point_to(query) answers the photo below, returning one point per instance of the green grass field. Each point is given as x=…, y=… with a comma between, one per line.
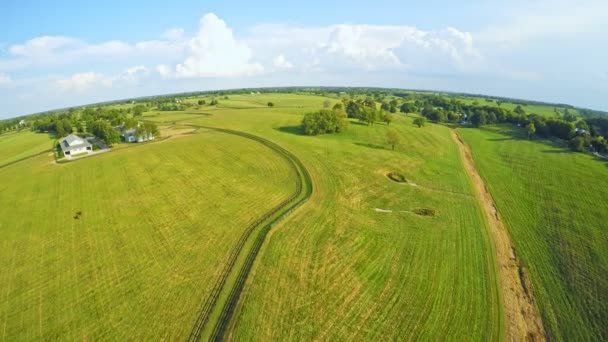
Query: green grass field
x=355, y=262
x=338, y=264
x=157, y=222
x=16, y=146
x=553, y=203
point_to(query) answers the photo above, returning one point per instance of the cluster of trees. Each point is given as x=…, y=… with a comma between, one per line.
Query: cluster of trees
x=325, y=121
x=103, y=130
x=13, y=125
x=579, y=132
x=365, y=111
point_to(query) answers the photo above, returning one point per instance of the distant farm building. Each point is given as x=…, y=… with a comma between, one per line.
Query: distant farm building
x=131, y=135
x=73, y=144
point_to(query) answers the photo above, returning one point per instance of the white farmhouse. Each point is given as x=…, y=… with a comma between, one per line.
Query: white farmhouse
x=72, y=145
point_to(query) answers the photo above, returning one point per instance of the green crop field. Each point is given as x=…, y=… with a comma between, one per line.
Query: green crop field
x=16, y=146
x=156, y=223
x=139, y=243
x=554, y=204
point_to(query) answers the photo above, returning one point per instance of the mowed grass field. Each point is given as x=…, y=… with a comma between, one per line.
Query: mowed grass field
x=156, y=224
x=343, y=267
x=15, y=146
x=554, y=204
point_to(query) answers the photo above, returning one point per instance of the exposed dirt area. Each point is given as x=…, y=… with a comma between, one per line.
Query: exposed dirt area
x=425, y=211
x=396, y=177
x=523, y=321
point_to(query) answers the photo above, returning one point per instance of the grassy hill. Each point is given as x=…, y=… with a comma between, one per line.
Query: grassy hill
x=553, y=202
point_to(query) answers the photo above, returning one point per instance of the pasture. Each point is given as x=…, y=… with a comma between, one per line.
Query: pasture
x=126, y=245
x=16, y=146
x=365, y=258
x=356, y=261
x=553, y=203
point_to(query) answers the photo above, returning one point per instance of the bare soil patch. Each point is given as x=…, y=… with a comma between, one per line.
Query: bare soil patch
x=396, y=177
x=523, y=321
x=425, y=211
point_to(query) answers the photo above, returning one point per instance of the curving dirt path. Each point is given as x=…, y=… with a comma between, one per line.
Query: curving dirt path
x=522, y=319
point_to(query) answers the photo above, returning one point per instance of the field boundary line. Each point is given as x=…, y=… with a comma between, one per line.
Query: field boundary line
x=25, y=158
x=523, y=320
x=204, y=323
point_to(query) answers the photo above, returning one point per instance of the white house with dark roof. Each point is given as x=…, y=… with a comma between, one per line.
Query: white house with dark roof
x=73, y=144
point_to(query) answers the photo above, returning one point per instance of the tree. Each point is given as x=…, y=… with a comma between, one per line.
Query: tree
x=578, y=143
x=393, y=138
x=407, y=107
x=270, y=104
x=387, y=118
x=213, y=102
x=138, y=110
x=326, y=104
x=519, y=110
x=324, y=121
x=599, y=144
x=530, y=129
x=479, y=118
x=201, y=102
x=419, y=122
x=353, y=110
x=103, y=130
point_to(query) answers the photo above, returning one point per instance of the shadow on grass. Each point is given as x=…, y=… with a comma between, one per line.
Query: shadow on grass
x=376, y=147
x=500, y=139
x=296, y=130
x=563, y=151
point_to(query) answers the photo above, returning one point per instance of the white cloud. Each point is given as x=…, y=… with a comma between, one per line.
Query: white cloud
x=214, y=52
x=173, y=34
x=139, y=69
x=5, y=79
x=42, y=46
x=369, y=47
x=281, y=63
x=164, y=71
x=84, y=81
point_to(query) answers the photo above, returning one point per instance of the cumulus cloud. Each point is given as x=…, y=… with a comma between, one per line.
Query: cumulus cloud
x=84, y=81
x=214, y=52
x=42, y=46
x=281, y=63
x=370, y=47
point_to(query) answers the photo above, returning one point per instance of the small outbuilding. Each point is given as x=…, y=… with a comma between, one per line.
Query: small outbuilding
x=73, y=144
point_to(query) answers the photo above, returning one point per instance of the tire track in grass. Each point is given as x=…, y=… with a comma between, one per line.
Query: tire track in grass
x=523, y=321
x=205, y=323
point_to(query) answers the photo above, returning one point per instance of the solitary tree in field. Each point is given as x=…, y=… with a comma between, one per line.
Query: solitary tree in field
x=419, y=122
x=531, y=129
x=393, y=138
x=270, y=104
x=326, y=104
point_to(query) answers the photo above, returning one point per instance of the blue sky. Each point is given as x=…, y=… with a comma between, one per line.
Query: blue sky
x=64, y=53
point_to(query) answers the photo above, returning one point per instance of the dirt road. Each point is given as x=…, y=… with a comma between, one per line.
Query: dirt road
x=522, y=319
